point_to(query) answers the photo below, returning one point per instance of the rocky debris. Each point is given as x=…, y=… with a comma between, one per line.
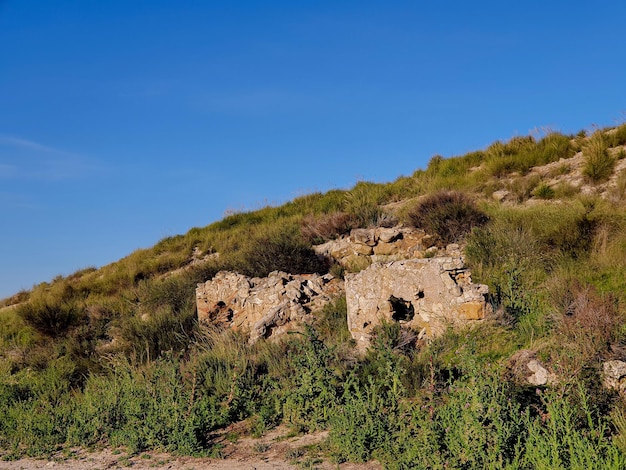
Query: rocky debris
x=614, y=375
x=263, y=306
x=426, y=295
x=374, y=245
x=526, y=369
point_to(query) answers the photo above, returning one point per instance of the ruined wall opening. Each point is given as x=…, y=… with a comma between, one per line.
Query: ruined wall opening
x=401, y=310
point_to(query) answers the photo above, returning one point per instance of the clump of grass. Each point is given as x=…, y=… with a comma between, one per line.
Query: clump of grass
x=565, y=190
x=520, y=154
x=449, y=215
x=363, y=202
x=599, y=163
x=523, y=187
x=544, y=191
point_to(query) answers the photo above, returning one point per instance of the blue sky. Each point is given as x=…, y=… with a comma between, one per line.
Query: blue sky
x=123, y=122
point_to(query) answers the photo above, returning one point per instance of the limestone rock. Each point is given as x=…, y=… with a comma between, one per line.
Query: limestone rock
x=614, y=375
x=263, y=306
x=381, y=244
x=526, y=369
x=364, y=236
x=423, y=294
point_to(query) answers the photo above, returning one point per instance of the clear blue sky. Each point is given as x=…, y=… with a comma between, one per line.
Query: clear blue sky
x=123, y=122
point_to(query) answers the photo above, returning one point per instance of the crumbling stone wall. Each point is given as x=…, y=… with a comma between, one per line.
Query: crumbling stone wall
x=374, y=245
x=426, y=295
x=263, y=306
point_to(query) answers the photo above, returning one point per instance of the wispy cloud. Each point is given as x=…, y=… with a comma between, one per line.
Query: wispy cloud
x=27, y=159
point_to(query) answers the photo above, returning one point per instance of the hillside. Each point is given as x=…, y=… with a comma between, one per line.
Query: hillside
x=116, y=357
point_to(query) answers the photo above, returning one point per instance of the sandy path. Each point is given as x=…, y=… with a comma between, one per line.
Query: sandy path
x=276, y=450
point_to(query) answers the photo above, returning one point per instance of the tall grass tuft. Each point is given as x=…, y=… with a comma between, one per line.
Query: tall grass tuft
x=599, y=163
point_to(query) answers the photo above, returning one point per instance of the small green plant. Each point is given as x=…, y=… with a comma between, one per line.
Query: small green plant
x=261, y=447
x=544, y=191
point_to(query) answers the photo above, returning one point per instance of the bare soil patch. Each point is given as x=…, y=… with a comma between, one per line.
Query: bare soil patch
x=277, y=449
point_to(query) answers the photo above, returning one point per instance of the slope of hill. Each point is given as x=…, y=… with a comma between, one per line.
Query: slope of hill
x=114, y=356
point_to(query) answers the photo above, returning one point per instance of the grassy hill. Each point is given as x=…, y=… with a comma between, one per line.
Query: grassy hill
x=114, y=356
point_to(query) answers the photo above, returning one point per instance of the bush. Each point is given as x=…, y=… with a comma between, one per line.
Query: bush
x=586, y=324
x=50, y=318
x=450, y=215
x=321, y=228
x=311, y=403
x=279, y=251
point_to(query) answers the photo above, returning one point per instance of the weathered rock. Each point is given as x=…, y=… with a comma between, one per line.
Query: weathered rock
x=426, y=295
x=364, y=236
x=381, y=244
x=526, y=369
x=263, y=306
x=388, y=235
x=614, y=375
x=386, y=248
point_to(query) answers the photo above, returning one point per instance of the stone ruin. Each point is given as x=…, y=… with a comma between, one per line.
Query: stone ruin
x=426, y=295
x=377, y=245
x=399, y=283
x=264, y=306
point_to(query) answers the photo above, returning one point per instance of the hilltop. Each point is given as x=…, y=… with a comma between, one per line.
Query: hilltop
x=115, y=356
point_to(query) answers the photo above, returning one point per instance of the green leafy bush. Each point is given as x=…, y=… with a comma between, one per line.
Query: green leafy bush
x=311, y=402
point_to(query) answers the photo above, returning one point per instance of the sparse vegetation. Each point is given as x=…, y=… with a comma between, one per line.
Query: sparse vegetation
x=114, y=356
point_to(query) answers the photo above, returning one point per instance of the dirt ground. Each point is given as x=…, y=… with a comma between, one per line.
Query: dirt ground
x=277, y=449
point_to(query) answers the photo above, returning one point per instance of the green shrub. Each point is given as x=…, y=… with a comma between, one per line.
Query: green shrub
x=449, y=215
x=370, y=410
x=163, y=330
x=570, y=434
x=279, y=251
x=52, y=318
x=312, y=400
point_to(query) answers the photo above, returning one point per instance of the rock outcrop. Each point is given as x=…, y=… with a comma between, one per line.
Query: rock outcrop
x=526, y=369
x=614, y=375
x=263, y=306
x=375, y=245
x=426, y=295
